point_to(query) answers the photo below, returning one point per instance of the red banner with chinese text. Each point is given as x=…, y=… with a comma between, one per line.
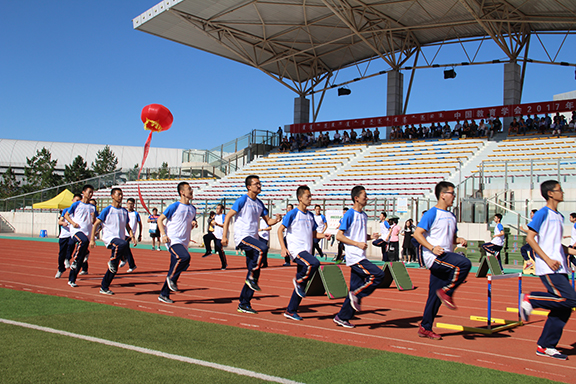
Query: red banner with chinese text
x=515, y=110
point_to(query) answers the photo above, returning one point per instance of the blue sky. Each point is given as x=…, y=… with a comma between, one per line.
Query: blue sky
x=77, y=71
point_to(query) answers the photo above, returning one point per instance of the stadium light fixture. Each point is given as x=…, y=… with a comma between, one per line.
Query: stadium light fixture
x=449, y=74
x=344, y=91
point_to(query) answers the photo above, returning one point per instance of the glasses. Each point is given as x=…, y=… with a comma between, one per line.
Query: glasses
x=558, y=190
x=451, y=193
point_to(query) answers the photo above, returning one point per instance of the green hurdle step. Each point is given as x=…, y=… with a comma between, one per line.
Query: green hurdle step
x=328, y=280
x=490, y=264
x=397, y=272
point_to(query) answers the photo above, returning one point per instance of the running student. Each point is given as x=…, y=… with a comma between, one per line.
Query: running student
x=153, y=228
x=81, y=216
x=497, y=243
x=551, y=266
x=175, y=233
x=134, y=221
x=218, y=224
x=64, y=240
x=322, y=226
x=248, y=209
x=526, y=249
x=114, y=223
x=301, y=230
x=364, y=276
x=289, y=207
x=436, y=233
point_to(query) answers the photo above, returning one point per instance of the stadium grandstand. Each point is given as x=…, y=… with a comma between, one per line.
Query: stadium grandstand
x=496, y=170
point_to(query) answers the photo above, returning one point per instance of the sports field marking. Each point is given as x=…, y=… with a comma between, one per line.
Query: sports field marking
x=237, y=371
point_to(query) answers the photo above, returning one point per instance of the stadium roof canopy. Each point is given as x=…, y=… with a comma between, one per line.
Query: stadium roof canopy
x=301, y=43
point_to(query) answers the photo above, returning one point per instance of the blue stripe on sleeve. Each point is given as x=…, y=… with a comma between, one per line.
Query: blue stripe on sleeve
x=347, y=220
x=289, y=218
x=239, y=203
x=428, y=219
x=168, y=212
x=538, y=218
x=102, y=216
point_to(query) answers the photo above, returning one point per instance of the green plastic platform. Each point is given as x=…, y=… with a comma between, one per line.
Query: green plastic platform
x=328, y=280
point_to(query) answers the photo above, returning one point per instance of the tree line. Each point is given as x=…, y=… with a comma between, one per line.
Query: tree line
x=40, y=172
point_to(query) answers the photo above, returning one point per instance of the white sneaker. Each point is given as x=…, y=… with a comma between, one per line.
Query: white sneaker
x=131, y=269
x=525, y=308
x=66, y=263
x=122, y=263
x=58, y=275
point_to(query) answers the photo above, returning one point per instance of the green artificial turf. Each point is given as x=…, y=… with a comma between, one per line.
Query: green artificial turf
x=34, y=356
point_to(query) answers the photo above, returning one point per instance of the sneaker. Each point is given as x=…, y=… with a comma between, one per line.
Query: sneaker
x=73, y=265
x=354, y=301
x=153, y=248
x=72, y=284
x=298, y=288
x=122, y=263
x=58, y=275
x=286, y=264
x=130, y=270
x=252, y=285
x=66, y=263
x=343, y=323
x=165, y=299
x=207, y=254
x=429, y=334
x=158, y=249
x=171, y=285
x=293, y=316
x=446, y=300
x=106, y=291
x=246, y=309
x=111, y=267
x=525, y=308
x=83, y=273
x=550, y=352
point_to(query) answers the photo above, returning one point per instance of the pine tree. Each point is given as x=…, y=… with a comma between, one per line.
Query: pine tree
x=164, y=172
x=106, y=162
x=9, y=186
x=77, y=171
x=40, y=171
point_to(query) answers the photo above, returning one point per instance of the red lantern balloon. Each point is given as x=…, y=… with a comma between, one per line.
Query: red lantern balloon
x=156, y=118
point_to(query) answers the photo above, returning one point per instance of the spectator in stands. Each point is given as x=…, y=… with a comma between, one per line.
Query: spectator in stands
x=248, y=209
x=530, y=123
x=285, y=144
x=466, y=131
x=279, y=133
x=346, y=138
x=572, y=124
x=522, y=126
x=337, y=138
x=473, y=129
x=481, y=128
x=153, y=228
x=497, y=124
x=425, y=132
x=376, y=135
x=408, y=251
x=369, y=136
x=446, y=131
x=311, y=139
x=209, y=236
x=353, y=136
x=458, y=126
x=513, y=128
x=548, y=121
x=542, y=126
x=436, y=232
x=489, y=129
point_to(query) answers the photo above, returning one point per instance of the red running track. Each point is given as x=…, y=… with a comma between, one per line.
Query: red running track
x=389, y=320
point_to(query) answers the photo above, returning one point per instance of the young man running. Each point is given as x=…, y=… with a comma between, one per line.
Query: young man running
x=134, y=221
x=497, y=243
x=81, y=216
x=322, y=226
x=248, y=209
x=175, y=233
x=64, y=240
x=301, y=230
x=552, y=268
x=364, y=276
x=218, y=224
x=436, y=232
x=114, y=223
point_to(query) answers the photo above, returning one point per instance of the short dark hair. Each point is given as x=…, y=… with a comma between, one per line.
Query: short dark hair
x=442, y=187
x=87, y=186
x=573, y=215
x=534, y=211
x=317, y=206
x=249, y=179
x=356, y=192
x=181, y=187
x=290, y=205
x=154, y=209
x=345, y=209
x=114, y=190
x=212, y=213
x=384, y=213
x=300, y=191
x=220, y=205
x=499, y=216
x=78, y=196
x=131, y=200
x=546, y=187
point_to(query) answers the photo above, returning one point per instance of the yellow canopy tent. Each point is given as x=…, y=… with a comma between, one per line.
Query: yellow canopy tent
x=63, y=200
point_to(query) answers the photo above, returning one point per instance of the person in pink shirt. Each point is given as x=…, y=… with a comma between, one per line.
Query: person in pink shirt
x=393, y=247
